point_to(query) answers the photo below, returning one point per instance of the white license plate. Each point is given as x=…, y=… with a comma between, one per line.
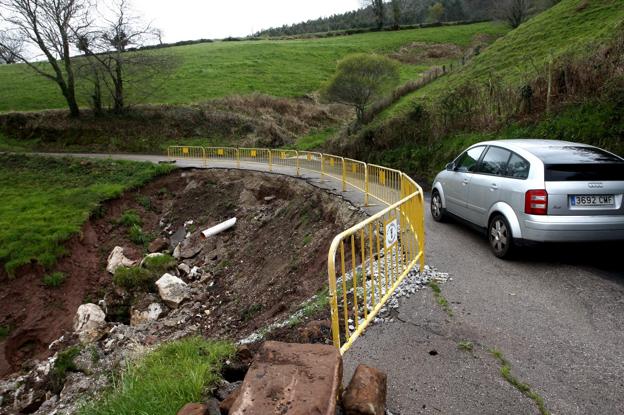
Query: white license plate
x=592, y=200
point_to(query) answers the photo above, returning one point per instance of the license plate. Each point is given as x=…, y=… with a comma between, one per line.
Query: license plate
x=592, y=200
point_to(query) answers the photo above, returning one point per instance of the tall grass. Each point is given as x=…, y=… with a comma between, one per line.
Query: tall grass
x=164, y=380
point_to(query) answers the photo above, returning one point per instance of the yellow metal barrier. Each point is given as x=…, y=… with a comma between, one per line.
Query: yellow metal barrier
x=286, y=158
x=311, y=161
x=334, y=166
x=256, y=155
x=187, y=152
x=367, y=262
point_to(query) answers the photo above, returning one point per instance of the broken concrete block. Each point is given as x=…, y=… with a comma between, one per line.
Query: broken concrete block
x=297, y=379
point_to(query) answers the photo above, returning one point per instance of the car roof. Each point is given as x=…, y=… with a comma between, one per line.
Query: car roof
x=540, y=148
x=531, y=143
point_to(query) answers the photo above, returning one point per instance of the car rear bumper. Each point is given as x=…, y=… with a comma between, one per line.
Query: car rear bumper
x=573, y=228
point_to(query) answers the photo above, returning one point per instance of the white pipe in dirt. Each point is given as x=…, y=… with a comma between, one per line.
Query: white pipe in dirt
x=219, y=228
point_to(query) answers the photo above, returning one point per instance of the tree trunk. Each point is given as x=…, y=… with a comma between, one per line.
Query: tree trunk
x=118, y=104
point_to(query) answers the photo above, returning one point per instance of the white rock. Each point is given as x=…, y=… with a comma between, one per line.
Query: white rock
x=172, y=290
x=153, y=312
x=117, y=259
x=177, y=252
x=184, y=268
x=195, y=272
x=88, y=322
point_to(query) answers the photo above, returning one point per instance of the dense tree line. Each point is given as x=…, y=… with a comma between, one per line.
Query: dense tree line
x=393, y=13
x=411, y=12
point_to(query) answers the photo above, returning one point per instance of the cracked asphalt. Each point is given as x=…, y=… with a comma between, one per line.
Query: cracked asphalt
x=555, y=312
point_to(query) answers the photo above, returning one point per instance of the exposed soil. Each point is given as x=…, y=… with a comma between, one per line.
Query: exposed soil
x=259, y=271
x=419, y=52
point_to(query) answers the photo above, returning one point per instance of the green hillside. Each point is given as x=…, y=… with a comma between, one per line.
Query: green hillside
x=565, y=29
x=286, y=68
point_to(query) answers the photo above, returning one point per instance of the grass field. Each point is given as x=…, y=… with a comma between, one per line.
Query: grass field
x=164, y=380
x=565, y=29
x=47, y=200
x=287, y=68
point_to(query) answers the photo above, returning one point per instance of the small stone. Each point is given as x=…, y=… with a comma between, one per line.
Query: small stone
x=176, y=251
x=158, y=245
x=269, y=198
x=193, y=409
x=366, y=393
x=172, y=290
x=227, y=403
x=184, y=268
x=117, y=259
x=89, y=323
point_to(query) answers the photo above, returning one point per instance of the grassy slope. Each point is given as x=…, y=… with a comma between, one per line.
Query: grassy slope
x=164, y=380
x=282, y=67
x=47, y=200
x=563, y=29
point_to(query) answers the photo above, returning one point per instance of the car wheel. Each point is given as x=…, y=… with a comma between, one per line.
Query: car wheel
x=437, y=211
x=499, y=234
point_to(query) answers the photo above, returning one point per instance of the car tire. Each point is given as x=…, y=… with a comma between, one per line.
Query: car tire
x=500, y=237
x=437, y=211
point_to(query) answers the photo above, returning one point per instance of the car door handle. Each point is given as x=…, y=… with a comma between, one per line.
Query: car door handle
x=494, y=187
x=465, y=182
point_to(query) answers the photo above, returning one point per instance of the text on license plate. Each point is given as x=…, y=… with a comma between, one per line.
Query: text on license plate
x=592, y=200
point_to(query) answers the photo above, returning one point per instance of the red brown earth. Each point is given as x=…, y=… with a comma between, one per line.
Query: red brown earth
x=262, y=270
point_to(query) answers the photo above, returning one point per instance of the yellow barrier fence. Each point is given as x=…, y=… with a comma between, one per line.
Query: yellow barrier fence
x=187, y=152
x=367, y=262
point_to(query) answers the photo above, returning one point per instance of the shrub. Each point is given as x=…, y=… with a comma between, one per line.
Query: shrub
x=54, y=280
x=136, y=235
x=160, y=263
x=134, y=277
x=360, y=78
x=130, y=218
x=144, y=201
x=63, y=364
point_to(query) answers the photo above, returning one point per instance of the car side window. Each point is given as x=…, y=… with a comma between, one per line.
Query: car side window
x=495, y=161
x=518, y=168
x=467, y=162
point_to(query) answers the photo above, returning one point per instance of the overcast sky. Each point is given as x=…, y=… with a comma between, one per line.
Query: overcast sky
x=212, y=19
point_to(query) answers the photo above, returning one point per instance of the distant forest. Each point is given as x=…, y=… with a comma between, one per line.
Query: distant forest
x=411, y=12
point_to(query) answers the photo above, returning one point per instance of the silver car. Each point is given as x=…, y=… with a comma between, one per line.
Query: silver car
x=534, y=190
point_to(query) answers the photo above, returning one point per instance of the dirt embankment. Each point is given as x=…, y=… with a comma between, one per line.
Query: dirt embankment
x=252, y=121
x=258, y=272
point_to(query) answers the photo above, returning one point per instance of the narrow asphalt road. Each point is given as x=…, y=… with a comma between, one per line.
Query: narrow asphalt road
x=556, y=313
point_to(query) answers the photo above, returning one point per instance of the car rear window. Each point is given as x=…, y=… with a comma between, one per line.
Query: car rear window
x=574, y=155
x=584, y=172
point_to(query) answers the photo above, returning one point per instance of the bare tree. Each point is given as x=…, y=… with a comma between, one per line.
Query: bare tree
x=11, y=47
x=378, y=10
x=115, y=65
x=49, y=25
x=515, y=12
x=397, y=6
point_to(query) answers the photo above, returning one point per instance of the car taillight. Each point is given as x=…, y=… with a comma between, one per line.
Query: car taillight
x=536, y=202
